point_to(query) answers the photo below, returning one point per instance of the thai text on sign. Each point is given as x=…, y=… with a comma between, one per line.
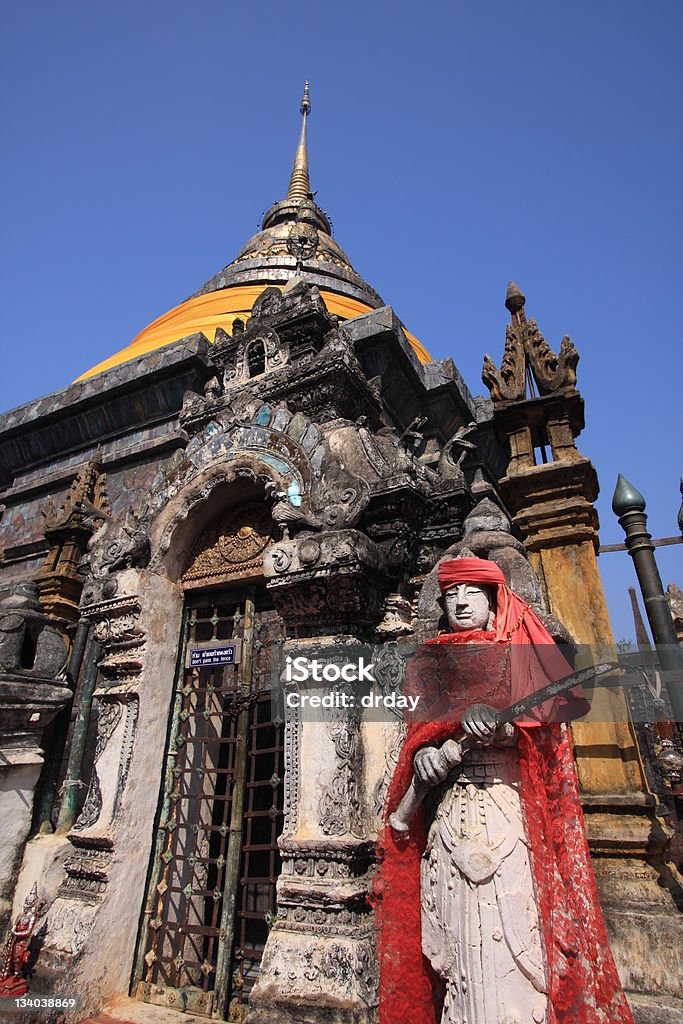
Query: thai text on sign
x=217, y=654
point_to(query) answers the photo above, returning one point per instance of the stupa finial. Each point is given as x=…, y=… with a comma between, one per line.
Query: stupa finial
x=299, y=183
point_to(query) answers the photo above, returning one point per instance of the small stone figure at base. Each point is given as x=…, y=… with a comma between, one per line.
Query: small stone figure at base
x=16, y=952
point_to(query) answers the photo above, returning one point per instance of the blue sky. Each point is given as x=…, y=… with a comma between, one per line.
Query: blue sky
x=454, y=145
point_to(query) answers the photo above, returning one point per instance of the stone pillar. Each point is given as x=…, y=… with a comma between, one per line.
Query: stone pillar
x=32, y=691
x=93, y=920
x=320, y=962
x=68, y=528
x=552, y=507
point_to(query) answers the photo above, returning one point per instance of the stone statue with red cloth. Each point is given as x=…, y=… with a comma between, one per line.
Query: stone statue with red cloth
x=488, y=907
x=16, y=952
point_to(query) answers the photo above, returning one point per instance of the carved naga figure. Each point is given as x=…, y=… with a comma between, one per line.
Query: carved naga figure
x=490, y=898
x=16, y=952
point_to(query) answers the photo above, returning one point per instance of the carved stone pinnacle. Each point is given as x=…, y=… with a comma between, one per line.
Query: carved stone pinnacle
x=514, y=299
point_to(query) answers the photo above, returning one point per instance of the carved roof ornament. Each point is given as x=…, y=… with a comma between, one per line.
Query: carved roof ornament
x=303, y=239
x=455, y=451
x=529, y=366
x=87, y=498
x=120, y=543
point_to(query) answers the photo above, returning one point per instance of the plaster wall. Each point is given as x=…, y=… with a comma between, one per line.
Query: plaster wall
x=19, y=773
x=95, y=940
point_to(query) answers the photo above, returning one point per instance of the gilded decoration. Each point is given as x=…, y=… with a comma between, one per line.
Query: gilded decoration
x=232, y=547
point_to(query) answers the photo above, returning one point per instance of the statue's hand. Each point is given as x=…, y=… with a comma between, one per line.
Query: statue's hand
x=431, y=765
x=481, y=722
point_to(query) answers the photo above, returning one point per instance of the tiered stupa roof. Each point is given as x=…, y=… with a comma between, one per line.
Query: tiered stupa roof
x=295, y=237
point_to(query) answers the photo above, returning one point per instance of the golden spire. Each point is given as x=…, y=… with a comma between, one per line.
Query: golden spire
x=299, y=183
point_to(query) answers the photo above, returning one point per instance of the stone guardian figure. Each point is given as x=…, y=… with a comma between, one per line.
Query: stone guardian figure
x=487, y=910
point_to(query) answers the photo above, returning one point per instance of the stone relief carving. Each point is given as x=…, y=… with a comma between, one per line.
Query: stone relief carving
x=289, y=518
x=345, y=968
x=292, y=759
x=337, y=859
x=68, y=527
x=132, y=709
x=341, y=811
x=108, y=717
x=321, y=582
x=86, y=880
x=372, y=449
x=258, y=351
x=389, y=669
x=198, y=409
x=86, y=499
x=397, y=619
x=393, y=750
x=121, y=543
x=338, y=495
x=311, y=490
x=260, y=348
x=232, y=546
x=338, y=345
x=306, y=913
x=303, y=238
x=116, y=628
x=454, y=453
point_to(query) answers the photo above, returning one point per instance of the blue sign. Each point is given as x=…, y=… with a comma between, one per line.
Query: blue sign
x=226, y=654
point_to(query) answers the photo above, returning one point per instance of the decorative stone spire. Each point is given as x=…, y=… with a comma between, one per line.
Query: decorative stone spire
x=69, y=525
x=528, y=361
x=514, y=299
x=298, y=204
x=299, y=183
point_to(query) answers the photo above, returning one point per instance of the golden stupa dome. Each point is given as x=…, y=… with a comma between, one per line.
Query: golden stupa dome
x=295, y=238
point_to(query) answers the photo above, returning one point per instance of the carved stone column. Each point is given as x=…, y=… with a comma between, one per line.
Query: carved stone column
x=95, y=916
x=552, y=507
x=68, y=528
x=32, y=691
x=320, y=962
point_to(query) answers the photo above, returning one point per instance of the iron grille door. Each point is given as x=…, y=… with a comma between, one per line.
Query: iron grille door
x=215, y=865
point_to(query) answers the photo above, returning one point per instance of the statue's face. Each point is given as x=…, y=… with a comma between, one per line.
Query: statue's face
x=467, y=607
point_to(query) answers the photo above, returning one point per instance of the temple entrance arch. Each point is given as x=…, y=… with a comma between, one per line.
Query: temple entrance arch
x=215, y=862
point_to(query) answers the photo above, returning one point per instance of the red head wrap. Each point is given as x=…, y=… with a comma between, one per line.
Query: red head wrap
x=515, y=623
x=468, y=570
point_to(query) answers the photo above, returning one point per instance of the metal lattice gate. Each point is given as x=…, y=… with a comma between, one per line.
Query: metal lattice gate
x=216, y=862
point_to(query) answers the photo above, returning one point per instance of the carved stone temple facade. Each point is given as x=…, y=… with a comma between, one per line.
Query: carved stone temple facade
x=284, y=479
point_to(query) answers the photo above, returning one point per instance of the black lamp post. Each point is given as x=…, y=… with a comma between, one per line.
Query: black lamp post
x=629, y=505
